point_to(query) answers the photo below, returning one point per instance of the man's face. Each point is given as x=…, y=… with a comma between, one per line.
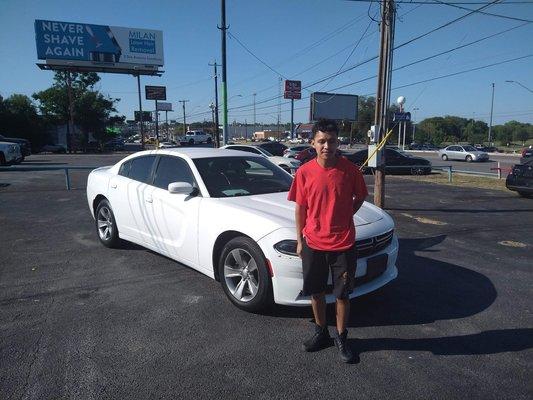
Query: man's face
x=325, y=144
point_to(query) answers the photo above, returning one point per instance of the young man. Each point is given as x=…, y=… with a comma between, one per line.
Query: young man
x=328, y=191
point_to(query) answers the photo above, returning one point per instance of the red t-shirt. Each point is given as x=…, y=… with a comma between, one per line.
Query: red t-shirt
x=328, y=194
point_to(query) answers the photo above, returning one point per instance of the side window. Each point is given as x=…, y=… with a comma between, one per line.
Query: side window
x=141, y=168
x=172, y=169
x=125, y=168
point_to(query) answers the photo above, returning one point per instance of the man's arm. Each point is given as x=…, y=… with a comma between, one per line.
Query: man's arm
x=300, y=214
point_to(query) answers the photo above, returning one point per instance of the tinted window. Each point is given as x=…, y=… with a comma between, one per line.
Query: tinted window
x=141, y=168
x=172, y=169
x=246, y=149
x=125, y=168
x=454, y=148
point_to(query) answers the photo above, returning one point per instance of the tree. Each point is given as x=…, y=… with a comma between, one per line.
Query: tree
x=91, y=109
x=19, y=118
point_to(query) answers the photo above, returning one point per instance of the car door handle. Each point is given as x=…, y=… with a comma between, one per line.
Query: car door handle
x=149, y=199
x=113, y=186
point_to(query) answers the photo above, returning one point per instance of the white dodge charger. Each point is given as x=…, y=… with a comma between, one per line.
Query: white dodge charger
x=225, y=213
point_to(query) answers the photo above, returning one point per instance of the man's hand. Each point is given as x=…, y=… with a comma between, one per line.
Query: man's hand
x=299, y=247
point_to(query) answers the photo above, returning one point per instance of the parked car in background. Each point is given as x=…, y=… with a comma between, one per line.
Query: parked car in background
x=306, y=155
x=396, y=162
x=53, y=148
x=10, y=153
x=287, y=164
x=116, y=144
x=274, y=148
x=226, y=215
x=195, y=137
x=527, y=154
x=25, y=145
x=520, y=179
x=168, y=145
x=463, y=152
x=292, y=151
x=423, y=147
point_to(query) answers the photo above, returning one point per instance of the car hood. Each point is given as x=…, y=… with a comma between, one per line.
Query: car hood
x=276, y=207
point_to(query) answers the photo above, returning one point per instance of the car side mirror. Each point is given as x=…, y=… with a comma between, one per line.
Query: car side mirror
x=181, y=187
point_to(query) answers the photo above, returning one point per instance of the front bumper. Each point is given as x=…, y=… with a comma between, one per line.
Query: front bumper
x=287, y=281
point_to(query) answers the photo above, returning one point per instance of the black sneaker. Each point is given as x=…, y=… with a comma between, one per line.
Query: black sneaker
x=319, y=340
x=343, y=347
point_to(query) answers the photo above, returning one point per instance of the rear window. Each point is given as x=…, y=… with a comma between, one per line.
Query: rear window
x=125, y=168
x=141, y=168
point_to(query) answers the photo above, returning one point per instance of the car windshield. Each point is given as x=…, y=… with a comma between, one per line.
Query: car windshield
x=469, y=148
x=241, y=176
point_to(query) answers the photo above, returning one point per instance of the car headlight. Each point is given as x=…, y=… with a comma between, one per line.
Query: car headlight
x=287, y=247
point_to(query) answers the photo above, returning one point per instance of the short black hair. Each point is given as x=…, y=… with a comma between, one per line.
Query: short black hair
x=325, y=125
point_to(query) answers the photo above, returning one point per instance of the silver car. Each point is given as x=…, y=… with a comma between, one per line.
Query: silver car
x=466, y=153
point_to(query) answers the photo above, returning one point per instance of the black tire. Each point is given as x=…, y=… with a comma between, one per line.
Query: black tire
x=468, y=158
x=191, y=142
x=209, y=140
x=2, y=159
x=444, y=157
x=417, y=171
x=256, y=272
x=104, y=214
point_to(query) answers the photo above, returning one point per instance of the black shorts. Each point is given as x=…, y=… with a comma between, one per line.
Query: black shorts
x=317, y=264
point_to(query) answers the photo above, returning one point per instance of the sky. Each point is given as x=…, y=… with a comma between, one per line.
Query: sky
x=304, y=40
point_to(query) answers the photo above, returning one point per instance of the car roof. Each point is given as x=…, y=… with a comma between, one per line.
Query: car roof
x=194, y=153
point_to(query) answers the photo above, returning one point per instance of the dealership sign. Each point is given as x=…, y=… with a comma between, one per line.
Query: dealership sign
x=293, y=90
x=86, y=43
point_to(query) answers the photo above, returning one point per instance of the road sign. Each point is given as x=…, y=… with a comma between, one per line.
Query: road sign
x=155, y=92
x=293, y=95
x=293, y=90
x=401, y=116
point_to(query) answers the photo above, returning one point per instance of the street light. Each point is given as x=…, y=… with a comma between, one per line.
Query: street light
x=232, y=97
x=518, y=83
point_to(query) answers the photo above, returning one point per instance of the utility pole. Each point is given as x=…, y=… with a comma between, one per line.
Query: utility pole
x=383, y=92
x=217, y=139
x=491, y=109
x=184, y=121
x=223, y=29
x=255, y=94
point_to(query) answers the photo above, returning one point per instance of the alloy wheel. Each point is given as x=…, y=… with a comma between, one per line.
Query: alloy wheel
x=105, y=223
x=241, y=275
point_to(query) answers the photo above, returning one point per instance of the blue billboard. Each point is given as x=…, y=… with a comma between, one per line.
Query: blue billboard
x=87, y=43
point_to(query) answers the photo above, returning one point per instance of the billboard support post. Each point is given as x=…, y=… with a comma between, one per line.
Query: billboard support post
x=292, y=118
x=70, y=124
x=166, y=122
x=156, y=126
x=140, y=109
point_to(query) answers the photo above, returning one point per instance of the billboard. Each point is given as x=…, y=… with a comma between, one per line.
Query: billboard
x=164, y=106
x=83, y=44
x=155, y=92
x=334, y=106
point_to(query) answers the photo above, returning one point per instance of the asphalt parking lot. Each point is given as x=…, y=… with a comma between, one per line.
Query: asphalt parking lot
x=78, y=320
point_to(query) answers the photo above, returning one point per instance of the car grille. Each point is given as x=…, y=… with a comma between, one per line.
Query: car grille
x=370, y=246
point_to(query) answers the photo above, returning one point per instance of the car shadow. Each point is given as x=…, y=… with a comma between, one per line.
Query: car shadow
x=426, y=290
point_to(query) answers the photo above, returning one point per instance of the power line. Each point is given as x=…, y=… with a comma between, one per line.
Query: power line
x=483, y=12
x=375, y=57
